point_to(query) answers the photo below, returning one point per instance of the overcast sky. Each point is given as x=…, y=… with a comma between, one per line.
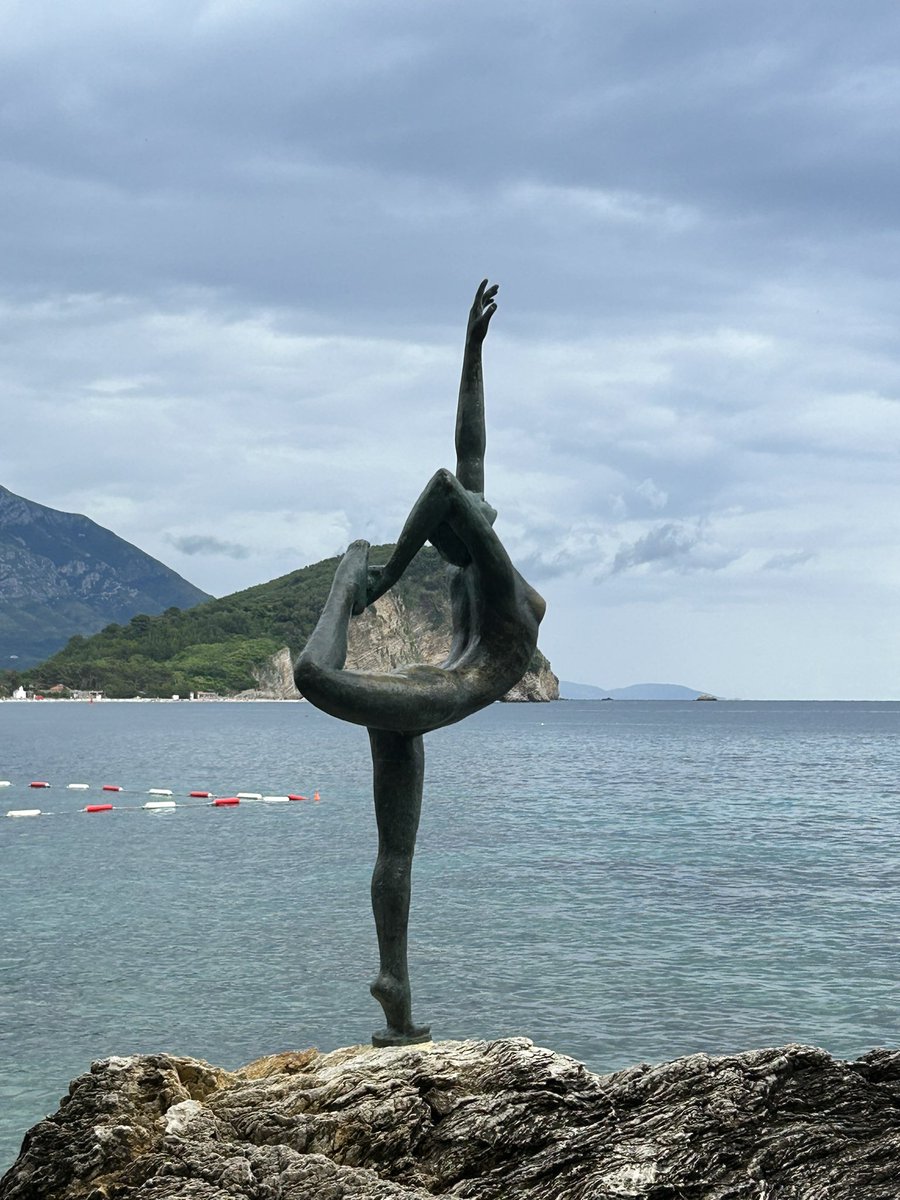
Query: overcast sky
x=239, y=242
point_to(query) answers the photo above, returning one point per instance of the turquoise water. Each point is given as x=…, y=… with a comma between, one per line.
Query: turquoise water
x=622, y=882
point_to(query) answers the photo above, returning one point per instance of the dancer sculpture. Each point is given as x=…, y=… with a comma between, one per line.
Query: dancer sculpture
x=495, y=616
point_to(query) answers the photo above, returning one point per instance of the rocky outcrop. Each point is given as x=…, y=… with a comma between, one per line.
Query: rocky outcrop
x=480, y=1120
x=393, y=632
x=274, y=679
x=388, y=634
x=539, y=683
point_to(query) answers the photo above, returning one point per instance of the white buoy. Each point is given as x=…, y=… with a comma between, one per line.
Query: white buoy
x=160, y=804
x=24, y=812
x=249, y=795
x=276, y=799
x=5, y=783
x=78, y=787
x=159, y=792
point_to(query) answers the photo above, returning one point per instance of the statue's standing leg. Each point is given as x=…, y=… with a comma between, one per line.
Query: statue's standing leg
x=398, y=768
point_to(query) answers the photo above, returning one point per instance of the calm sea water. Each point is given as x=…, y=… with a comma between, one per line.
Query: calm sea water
x=622, y=882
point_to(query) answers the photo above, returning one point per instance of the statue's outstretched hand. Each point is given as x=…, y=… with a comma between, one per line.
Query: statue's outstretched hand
x=483, y=308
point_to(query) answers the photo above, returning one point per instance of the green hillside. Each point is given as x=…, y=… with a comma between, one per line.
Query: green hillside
x=214, y=646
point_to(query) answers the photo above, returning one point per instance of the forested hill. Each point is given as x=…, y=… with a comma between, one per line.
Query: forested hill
x=220, y=646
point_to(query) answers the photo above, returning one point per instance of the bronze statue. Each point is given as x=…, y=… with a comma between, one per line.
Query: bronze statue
x=495, y=617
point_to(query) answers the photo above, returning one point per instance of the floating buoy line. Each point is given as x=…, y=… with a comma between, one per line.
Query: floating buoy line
x=160, y=800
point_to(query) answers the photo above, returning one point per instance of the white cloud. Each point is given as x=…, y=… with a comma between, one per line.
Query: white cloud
x=655, y=496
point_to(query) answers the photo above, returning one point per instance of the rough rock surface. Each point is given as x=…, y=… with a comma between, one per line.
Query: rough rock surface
x=274, y=679
x=535, y=685
x=490, y=1120
x=390, y=633
x=385, y=636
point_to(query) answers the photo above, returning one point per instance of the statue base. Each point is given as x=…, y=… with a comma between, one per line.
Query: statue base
x=386, y=1037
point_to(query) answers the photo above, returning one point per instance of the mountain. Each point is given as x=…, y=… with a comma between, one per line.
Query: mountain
x=245, y=642
x=61, y=574
x=637, y=691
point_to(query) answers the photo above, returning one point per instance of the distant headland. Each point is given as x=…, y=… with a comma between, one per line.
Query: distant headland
x=637, y=691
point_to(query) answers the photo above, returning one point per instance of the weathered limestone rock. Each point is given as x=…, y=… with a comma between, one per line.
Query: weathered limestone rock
x=485, y=1120
x=390, y=633
x=540, y=684
x=274, y=679
x=387, y=635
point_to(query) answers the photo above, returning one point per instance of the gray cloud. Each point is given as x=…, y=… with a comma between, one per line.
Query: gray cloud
x=181, y=168
x=787, y=562
x=197, y=543
x=671, y=546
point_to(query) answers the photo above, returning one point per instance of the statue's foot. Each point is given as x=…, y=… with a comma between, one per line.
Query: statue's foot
x=392, y=1037
x=394, y=997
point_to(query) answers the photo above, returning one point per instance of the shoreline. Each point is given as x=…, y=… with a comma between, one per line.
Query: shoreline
x=161, y=700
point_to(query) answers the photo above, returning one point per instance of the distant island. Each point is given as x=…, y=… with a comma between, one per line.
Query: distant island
x=637, y=691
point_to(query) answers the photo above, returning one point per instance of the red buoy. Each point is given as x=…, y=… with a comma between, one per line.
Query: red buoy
x=97, y=808
x=298, y=797
x=225, y=801
x=201, y=795
x=316, y=797
x=39, y=783
x=110, y=787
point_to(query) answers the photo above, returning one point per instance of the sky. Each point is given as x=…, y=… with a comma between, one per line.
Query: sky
x=239, y=243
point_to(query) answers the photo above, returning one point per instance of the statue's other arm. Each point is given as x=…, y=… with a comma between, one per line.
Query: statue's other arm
x=470, y=435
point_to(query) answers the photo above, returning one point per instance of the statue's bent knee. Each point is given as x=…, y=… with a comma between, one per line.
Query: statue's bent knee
x=445, y=480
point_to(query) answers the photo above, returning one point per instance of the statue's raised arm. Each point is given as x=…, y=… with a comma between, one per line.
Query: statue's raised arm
x=470, y=435
x=428, y=520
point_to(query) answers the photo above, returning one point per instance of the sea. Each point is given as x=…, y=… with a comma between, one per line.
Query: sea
x=622, y=882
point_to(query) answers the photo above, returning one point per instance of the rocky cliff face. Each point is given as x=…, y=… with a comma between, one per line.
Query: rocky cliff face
x=481, y=1120
x=274, y=679
x=393, y=632
x=62, y=574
